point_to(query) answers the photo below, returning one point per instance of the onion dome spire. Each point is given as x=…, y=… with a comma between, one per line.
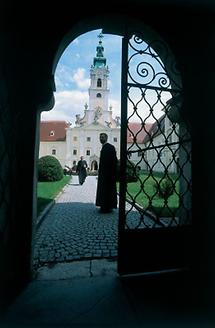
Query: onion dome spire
x=99, y=60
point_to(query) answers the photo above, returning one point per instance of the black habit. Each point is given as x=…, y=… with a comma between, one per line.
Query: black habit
x=106, y=196
x=82, y=171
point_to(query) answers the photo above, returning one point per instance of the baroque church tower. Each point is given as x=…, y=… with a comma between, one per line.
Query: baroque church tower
x=83, y=139
x=98, y=91
x=98, y=111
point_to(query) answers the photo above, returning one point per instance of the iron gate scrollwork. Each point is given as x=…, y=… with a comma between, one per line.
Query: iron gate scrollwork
x=155, y=186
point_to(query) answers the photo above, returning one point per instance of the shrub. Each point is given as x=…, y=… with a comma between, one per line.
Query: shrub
x=49, y=169
x=164, y=188
x=132, y=171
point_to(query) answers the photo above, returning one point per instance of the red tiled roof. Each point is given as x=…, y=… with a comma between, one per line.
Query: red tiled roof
x=53, y=130
x=56, y=131
x=137, y=130
x=156, y=128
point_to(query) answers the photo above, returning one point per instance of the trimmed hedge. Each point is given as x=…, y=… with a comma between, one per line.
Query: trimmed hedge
x=49, y=169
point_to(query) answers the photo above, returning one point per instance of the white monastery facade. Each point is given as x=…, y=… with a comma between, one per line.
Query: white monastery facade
x=161, y=149
x=83, y=139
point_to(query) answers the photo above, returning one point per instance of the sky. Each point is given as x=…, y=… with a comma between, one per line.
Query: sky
x=72, y=76
x=72, y=80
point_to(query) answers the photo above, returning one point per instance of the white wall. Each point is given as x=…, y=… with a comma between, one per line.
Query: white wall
x=46, y=148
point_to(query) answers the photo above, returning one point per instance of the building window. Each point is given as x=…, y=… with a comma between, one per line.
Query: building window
x=115, y=139
x=88, y=152
x=74, y=151
x=88, y=139
x=53, y=151
x=75, y=138
x=98, y=95
x=51, y=133
x=99, y=83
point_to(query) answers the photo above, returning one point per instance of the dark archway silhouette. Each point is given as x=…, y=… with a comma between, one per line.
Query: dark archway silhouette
x=28, y=63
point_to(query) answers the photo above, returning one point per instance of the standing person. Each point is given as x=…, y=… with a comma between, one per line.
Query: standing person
x=81, y=170
x=106, y=195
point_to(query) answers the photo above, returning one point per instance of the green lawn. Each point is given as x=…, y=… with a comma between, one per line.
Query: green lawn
x=145, y=195
x=47, y=191
x=141, y=191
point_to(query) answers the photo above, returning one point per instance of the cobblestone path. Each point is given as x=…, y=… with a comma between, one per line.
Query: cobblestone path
x=74, y=229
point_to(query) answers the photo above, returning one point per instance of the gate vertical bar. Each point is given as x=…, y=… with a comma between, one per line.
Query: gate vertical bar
x=123, y=147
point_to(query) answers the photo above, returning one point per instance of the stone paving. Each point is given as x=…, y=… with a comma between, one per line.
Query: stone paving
x=74, y=229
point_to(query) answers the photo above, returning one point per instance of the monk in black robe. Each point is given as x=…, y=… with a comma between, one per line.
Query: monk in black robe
x=106, y=195
x=81, y=170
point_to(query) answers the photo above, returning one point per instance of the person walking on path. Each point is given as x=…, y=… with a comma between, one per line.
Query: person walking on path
x=106, y=194
x=81, y=170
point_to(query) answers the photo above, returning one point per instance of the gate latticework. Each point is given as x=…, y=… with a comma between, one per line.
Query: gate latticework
x=158, y=197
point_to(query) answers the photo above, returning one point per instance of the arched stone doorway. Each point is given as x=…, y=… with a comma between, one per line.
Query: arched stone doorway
x=33, y=71
x=136, y=34
x=94, y=166
x=94, y=163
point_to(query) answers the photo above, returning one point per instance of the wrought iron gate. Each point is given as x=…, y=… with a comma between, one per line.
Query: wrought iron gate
x=155, y=172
